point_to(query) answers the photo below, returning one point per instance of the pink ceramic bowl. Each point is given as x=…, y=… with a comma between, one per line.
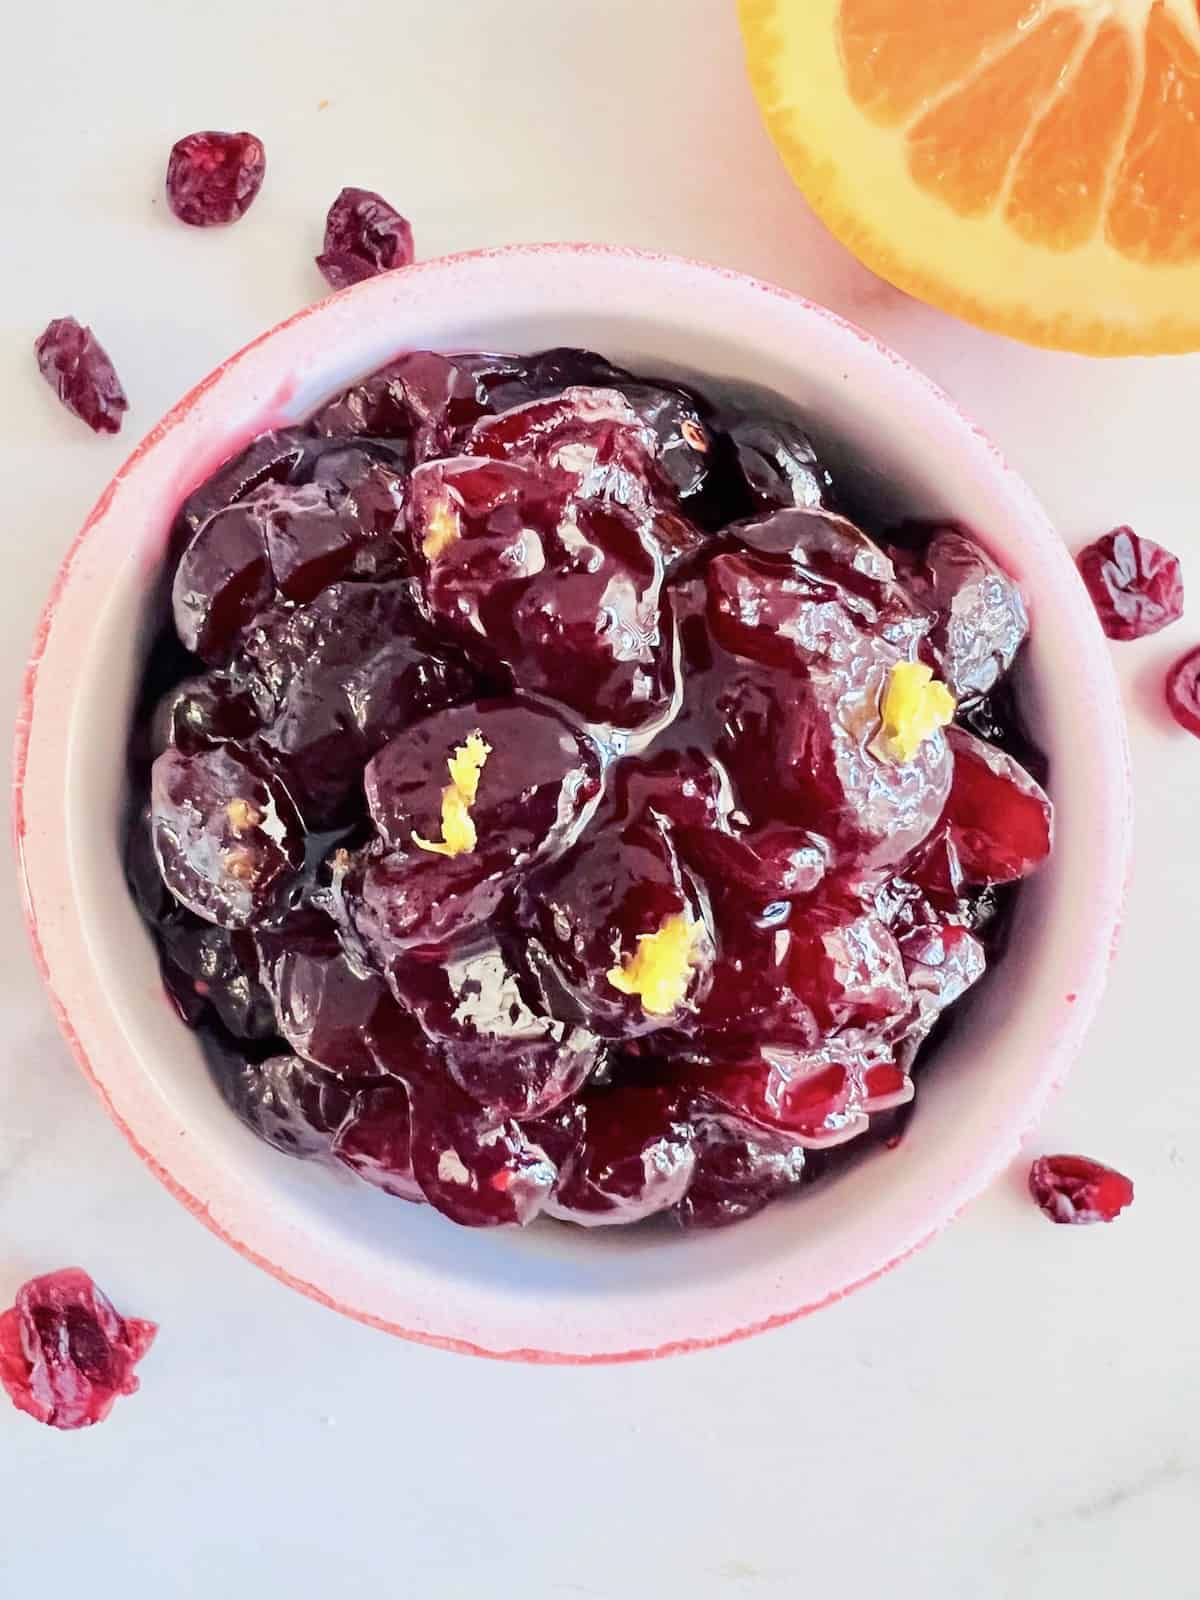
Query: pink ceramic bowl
x=554, y=1293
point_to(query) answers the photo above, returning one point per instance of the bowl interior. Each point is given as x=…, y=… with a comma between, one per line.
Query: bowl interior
x=552, y=1290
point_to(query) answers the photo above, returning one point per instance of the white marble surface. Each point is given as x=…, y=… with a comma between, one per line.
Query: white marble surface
x=1014, y=1412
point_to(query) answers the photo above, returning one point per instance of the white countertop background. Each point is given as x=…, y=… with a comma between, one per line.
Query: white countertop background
x=1013, y=1413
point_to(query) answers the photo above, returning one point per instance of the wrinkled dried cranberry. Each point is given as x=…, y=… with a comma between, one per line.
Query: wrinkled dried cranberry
x=79, y=371
x=214, y=177
x=364, y=235
x=1183, y=691
x=1135, y=585
x=65, y=1354
x=1074, y=1189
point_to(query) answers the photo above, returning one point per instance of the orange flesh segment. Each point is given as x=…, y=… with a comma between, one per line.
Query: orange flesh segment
x=1155, y=210
x=1057, y=194
x=1032, y=166
x=962, y=149
x=898, y=53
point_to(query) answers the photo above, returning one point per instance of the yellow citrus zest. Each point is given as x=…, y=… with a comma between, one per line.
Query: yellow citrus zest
x=915, y=706
x=442, y=530
x=458, y=826
x=660, y=969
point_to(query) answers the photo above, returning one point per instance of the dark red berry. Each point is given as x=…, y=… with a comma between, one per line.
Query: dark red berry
x=375, y=1142
x=1076, y=1190
x=294, y=1106
x=363, y=236
x=335, y=679
x=979, y=615
x=226, y=833
x=1135, y=585
x=637, y=1158
x=740, y=1169
x=778, y=465
x=214, y=177
x=1000, y=821
x=1183, y=691
x=79, y=371
x=65, y=1354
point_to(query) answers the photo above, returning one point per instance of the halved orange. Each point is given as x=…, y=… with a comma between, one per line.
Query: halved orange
x=1030, y=165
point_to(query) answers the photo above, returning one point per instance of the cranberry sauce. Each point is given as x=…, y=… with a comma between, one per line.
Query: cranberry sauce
x=547, y=800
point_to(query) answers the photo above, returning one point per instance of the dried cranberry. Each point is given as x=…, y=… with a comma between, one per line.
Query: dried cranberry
x=1183, y=691
x=1074, y=1189
x=364, y=235
x=214, y=177
x=65, y=1354
x=79, y=371
x=1135, y=585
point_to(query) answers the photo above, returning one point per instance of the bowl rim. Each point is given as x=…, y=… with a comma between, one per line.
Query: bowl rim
x=1006, y=1140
